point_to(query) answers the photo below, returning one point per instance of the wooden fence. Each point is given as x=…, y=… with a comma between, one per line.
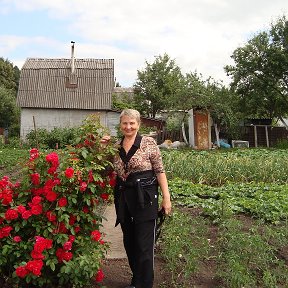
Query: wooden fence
x=264, y=135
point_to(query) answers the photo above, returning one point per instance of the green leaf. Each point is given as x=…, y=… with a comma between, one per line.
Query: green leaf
x=84, y=154
x=52, y=266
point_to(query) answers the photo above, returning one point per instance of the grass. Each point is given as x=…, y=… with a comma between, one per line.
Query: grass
x=11, y=161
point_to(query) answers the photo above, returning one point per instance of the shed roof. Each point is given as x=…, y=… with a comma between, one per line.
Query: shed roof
x=50, y=83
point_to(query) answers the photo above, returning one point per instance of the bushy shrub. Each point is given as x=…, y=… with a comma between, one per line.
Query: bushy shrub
x=282, y=144
x=56, y=138
x=50, y=221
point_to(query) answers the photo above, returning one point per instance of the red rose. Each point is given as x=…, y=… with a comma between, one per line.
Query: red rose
x=112, y=182
x=36, y=209
x=21, y=209
x=85, y=209
x=77, y=229
x=62, y=202
x=104, y=196
x=69, y=172
x=49, y=243
x=5, y=231
x=17, y=184
x=67, y=256
x=56, y=181
x=53, y=158
x=35, y=266
x=11, y=214
x=40, y=245
x=35, y=178
x=37, y=255
x=83, y=186
x=63, y=255
x=72, y=219
x=26, y=214
x=51, y=216
x=90, y=176
x=112, y=177
x=96, y=235
x=38, y=191
x=21, y=271
x=34, y=154
x=17, y=239
x=99, y=276
x=71, y=238
x=36, y=200
x=52, y=170
x=51, y=196
x=102, y=184
x=67, y=245
x=6, y=197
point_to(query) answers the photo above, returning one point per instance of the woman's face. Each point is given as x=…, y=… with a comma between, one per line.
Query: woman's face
x=129, y=126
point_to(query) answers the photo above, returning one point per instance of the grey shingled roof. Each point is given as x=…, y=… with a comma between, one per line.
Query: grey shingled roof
x=43, y=84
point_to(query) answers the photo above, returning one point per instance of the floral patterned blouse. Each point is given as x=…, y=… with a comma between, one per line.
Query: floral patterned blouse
x=146, y=157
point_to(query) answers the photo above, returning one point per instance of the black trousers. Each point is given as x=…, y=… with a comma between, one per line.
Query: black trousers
x=139, y=240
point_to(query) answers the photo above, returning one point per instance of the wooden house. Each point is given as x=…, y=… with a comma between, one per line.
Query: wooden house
x=63, y=92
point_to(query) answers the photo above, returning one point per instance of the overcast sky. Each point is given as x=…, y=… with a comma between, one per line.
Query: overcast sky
x=199, y=35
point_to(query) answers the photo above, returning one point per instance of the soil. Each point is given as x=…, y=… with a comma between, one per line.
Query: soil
x=118, y=275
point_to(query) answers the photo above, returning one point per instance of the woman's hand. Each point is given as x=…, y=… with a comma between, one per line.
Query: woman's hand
x=166, y=202
x=105, y=139
x=166, y=205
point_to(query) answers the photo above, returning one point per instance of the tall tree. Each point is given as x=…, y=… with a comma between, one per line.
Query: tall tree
x=9, y=112
x=9, y=75
x=260, y=73
x=158, y=86
x=209, y=94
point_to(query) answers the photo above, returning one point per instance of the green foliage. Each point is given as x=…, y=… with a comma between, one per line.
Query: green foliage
x=123, y=102
x=185, y=244
x=57, y=137
x=259, y=200
x=259, y=75
x=11, y=161
x=9, y=75
x=282, y=144
x=56, y=206
x=222, y=166
x=174, y=121
x=158, y=85
x=9, y=112
x=247, y=259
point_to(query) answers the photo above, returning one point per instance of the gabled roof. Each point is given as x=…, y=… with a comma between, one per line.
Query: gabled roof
x=50, y=83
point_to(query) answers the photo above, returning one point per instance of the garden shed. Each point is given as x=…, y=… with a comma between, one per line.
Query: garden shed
x=63, y=92
x=200, y=128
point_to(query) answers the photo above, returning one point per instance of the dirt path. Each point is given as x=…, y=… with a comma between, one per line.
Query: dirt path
x=113, y=234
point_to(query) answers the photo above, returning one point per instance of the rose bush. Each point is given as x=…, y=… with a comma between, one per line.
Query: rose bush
x=50, y=221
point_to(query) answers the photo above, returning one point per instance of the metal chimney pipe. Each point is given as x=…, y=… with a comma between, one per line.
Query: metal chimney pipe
x=72, y=58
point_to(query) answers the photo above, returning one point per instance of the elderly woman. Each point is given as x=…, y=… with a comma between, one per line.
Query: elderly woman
x=140, y=172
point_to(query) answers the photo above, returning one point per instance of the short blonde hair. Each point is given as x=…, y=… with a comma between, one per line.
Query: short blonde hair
x=132, y=113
